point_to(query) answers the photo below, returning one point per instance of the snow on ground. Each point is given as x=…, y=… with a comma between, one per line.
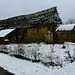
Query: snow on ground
x=44, y=52
x=23, y=67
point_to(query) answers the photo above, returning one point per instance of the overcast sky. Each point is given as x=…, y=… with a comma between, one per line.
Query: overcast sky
x=10, y=8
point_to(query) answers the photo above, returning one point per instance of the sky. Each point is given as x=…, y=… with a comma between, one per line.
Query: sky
x=11, y=8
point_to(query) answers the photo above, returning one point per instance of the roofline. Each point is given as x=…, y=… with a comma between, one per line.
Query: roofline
x=31, y=13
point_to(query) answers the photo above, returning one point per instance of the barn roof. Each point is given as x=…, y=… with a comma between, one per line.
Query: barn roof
x=3, y=33
x=67, y=27
x=44, y=17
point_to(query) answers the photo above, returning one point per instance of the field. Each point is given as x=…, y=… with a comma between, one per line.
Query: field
x=39, y=59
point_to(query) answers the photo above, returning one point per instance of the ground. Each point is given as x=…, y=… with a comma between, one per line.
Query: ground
x=59, y=55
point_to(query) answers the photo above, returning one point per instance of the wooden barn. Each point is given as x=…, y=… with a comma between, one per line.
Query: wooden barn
x=37, y=27
x=28, y=35
x=65, y=33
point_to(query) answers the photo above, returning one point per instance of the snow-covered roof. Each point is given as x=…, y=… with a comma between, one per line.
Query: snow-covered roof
x=67, y=27
x=5, y=32
x=45, y=17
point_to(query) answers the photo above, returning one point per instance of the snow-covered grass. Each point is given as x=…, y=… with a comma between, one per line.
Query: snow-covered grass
x=23, y=67
x=49, y=54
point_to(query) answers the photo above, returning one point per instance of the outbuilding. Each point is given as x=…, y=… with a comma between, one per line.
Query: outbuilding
x=65, y=33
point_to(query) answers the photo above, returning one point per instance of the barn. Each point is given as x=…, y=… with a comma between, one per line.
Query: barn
x=26, y=35
x=65, y=33
x=36, y=27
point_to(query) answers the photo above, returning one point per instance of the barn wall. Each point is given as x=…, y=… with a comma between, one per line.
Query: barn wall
x=65, y=36
x=73, y=36
x=28, y=35
x=1, y=40
x=41, y=34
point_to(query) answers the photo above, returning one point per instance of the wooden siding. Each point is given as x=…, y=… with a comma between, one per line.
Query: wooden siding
x=30, y=35
x=65, y=36
x=1, y=40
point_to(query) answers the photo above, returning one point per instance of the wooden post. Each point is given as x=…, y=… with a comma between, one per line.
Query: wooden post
x=71, y=37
